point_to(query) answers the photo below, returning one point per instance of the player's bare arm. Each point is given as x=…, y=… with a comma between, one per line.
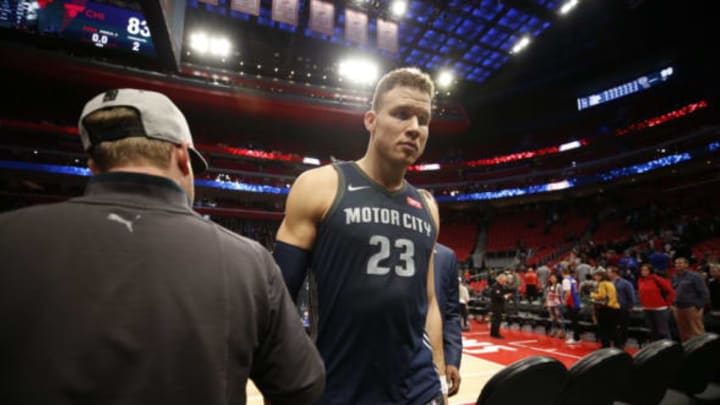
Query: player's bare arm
x=309, y=200
x=433, y=322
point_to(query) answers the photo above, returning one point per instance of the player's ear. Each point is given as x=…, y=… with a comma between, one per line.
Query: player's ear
x=370, y=119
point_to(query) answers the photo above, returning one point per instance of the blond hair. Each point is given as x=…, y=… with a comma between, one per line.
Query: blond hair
x=131, y=150
x=403, y=77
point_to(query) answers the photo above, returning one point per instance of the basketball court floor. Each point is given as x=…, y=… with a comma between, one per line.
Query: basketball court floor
x=483, y=356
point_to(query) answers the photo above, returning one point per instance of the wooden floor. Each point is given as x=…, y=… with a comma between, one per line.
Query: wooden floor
x=475, y=373
x=483, y=356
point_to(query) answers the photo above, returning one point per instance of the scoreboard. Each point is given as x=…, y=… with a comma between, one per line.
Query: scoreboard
x=94, y=23
x=640, y=84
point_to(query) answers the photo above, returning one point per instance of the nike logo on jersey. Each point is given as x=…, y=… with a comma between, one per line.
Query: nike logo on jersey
x=351, y=188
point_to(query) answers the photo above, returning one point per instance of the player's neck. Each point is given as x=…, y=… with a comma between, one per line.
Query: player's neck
x=384, y=173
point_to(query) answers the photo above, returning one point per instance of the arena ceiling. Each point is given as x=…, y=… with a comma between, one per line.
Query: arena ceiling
x=598, y=44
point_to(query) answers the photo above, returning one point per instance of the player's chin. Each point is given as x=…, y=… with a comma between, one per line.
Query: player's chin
x=408, y=159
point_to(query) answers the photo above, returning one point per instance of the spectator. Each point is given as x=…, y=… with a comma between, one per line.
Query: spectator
x=628, y=266
x=498, y=296
x=660, y=262
x=712, y=319
x=531, y=284
x=126, y=295
x=714, y=286
x=691, y=295
x=571, y=302
x=583, y=270
x=656, y=296
x=626, y=299
x=543, y=272
x=512, y=285
x=553, y=304
x=607, y=308
x=587, y=287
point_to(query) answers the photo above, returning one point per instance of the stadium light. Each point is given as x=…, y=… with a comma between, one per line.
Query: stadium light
x=398, y=8
x=203, y=43
x=311, y=161
x=570, y=146
x=359, y=71
x=521, y=44
x=199, y=42
x=445, y=79
x=569, y=5
x=220, y=46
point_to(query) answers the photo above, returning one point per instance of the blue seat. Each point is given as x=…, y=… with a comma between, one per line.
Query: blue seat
x=599, y=378
x=536, y=380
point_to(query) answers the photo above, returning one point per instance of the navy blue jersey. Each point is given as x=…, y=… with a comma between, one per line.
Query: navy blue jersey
x=370, y=262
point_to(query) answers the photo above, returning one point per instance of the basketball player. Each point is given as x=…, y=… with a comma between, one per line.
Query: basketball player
x=368, y=236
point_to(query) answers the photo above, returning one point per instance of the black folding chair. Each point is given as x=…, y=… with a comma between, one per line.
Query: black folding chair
x=536, y=380
x=655, y=367
x=599, y=378
x=694, y=382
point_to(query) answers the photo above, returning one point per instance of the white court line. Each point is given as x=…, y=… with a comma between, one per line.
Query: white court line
x=551, y=351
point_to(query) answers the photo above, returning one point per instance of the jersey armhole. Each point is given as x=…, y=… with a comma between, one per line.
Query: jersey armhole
x=339, y=193
x=424, y=202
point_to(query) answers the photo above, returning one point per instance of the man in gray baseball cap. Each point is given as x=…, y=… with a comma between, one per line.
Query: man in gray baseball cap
x=125, y=295
x=148, y=115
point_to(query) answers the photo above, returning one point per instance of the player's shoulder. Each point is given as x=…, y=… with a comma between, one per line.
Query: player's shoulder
x=426, y=194
x=316, y=179
x=431, y=205
x=313, y=192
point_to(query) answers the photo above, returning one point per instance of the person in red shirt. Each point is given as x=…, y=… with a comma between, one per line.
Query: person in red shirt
x=656, y=297
x=531, y=284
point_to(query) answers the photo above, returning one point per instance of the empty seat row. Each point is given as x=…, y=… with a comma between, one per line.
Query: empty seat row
x=662, y=373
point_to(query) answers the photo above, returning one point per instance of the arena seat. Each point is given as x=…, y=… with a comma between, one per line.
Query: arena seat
x=460, y=237
x=699, y=367
x=536, y=380
x=655, y=367
x=600, y=378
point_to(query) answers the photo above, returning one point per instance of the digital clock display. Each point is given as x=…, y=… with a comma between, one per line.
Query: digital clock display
x=101, y=25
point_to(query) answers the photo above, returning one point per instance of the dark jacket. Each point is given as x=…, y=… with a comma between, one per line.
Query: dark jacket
x=690, y=290
x=446, y=293
x=497, y=295
x=127, y=296
x=625, y=293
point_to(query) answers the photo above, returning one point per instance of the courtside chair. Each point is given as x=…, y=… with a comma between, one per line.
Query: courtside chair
x=694, y=383
x=600, y=378
x=536, y=380
x=655, y=367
